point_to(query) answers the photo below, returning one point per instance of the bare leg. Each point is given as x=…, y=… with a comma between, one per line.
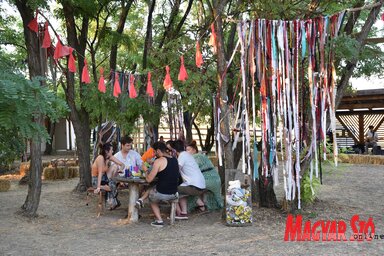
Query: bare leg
x=156, y=211
x=200, y=203
x=144, y=195
x=178, y=209
x=183, y=205
x=112, y=171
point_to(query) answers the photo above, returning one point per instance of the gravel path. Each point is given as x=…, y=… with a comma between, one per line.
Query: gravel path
x=66, y=226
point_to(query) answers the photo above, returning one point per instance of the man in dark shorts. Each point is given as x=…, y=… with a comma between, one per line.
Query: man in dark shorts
x=166, y=169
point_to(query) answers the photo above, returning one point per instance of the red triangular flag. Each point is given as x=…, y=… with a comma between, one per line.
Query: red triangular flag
x=101, y=86
x=116, y=86
x=182, y=73
x=212, y=39
x=199, y=57
x=167, y=80
x=71, y=61
x=85, y=74
x=32, y=25
x=149, y=86
x=132, y=90
x=60, y=50
x=47, y=37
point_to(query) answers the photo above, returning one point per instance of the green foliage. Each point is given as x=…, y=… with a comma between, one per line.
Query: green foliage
x=22, y=100
x=11, y=147
x=308, y=192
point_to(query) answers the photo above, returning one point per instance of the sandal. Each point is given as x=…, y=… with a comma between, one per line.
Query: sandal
x=201, y=208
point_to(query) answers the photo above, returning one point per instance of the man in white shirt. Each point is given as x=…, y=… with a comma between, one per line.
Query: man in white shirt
x=127, y=155
x=370, y=139
x=193, y=180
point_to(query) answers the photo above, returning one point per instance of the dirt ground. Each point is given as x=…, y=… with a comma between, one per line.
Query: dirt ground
x=66, y=226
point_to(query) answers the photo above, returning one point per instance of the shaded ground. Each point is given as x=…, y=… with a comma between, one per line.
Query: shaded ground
x=66, y=226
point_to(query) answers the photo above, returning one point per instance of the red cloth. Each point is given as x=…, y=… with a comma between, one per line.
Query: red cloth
x=85, y=74
x=116, y=86
x=199, y=57
x=183, y=72
x=382, y=16
x=71, y=61
x=101, y=86
x=132, y=90
x=47, y=37
x=212, y=39
x=32, y=25
x=60, y=50
x=150, y=92
x=167, y=84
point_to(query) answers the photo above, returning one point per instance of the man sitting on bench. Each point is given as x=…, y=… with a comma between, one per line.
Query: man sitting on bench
x=370, y=139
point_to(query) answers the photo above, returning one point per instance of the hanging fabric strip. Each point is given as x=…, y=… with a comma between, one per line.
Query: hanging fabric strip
x=150, y=92
x=101, y=85
x=183, y=76
x=212, y=40
x=32, y=25
x=71, y=61
x=132, y=90
x=116, y=86
x=167, y=84
x=85, y=74
x=47, y=37
x=199, y=56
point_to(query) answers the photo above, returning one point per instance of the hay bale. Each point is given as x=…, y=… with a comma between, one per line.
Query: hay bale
x=24, y=168
x=344, y=158
x=71, y=162
x=49, y=173
x=46, y=164
x=73, y=171
x=5, y=185
x=61, y=162
x=61, y=172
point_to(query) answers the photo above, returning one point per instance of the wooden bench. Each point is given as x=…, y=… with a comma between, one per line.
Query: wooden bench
x=101, y=202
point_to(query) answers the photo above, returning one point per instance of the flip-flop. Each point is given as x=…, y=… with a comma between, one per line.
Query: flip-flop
x=201, y=208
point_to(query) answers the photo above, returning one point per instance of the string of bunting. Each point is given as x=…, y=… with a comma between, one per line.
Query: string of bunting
x=119, y=79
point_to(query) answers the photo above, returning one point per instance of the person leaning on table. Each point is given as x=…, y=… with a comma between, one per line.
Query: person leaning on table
x=101, y=174
x=166, y=169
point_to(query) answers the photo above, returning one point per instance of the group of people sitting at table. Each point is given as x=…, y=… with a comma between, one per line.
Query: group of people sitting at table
x=178, y=170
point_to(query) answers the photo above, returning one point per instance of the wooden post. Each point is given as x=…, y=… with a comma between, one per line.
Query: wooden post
x=133, y=215
x=361, y=128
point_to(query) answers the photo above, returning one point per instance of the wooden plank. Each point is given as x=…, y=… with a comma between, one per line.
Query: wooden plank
x=347, y=128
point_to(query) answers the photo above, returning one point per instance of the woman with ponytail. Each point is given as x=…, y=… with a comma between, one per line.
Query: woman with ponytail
x=101, y=174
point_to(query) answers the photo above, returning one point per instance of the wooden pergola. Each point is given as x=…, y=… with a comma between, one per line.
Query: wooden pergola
x=359, y=110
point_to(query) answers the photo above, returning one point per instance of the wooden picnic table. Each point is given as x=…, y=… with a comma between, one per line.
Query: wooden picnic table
x=134, y=188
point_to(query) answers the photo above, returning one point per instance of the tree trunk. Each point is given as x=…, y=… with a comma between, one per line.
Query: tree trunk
x=119, y=30
x=348, y=71
x=51, y=132
x=79, y=116
x=188, y=122
x=32, y=201
x=35, y=68
x=223, y=124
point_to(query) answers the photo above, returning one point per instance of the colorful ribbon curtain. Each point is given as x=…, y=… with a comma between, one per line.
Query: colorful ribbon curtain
x=278, y=52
